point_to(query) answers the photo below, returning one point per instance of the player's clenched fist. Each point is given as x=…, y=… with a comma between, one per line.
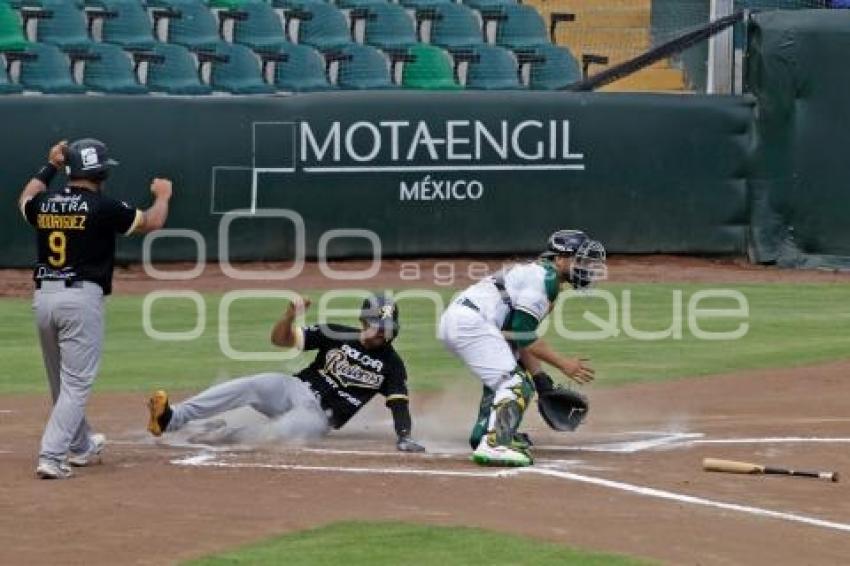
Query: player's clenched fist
x=298, y=306
x=161, y=188
x=56, y=156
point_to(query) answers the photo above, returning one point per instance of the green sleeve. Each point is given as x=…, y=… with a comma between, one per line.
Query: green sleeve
x=523, y=327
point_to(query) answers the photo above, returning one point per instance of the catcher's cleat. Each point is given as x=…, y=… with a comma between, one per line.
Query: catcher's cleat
x=496, y=455
x=92, y=456
x=160, y=413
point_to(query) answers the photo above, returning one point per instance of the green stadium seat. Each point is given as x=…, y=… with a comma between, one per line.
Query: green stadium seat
x=11, y=29
x=521, y=27
x=429, y=68
x=322, y=26
x=388, y=26
x=176, y=72
x=110, y=71
x=126, y=23
x=493, y=68
x=236, y=70
x=6, y=85
x=47, y=69
x=556, y=69
x=261, y=29
x=195, y=27
x=363, y=67
x=66, y=27
x=455, y=26
x=302, y=71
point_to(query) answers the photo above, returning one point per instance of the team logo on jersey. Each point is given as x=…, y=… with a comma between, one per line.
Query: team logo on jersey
x=348, y=374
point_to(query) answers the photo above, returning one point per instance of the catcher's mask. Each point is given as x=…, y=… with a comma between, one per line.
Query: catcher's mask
x=88, y=159
x=381, y=312
x=587, y=256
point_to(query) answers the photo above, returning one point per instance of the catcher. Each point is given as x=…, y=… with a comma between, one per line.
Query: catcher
x=351, y=366
x=492, y=327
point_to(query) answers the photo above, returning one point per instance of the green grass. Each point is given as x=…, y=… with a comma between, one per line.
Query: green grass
x=377, y=544
x=790, y=325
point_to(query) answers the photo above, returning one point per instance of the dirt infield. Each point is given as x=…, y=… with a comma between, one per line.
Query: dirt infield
x=629, y=481
x=450, y=272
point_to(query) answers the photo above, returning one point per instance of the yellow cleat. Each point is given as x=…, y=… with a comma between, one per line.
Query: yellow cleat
x=160, y=413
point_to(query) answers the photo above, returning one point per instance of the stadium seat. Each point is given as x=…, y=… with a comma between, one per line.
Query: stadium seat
x=454, y=26
x=352, y=4
x=422, y=4
x=227, y=4
x=11, y=29
x=429, y=68
x=235, y=69
x=290, y=4
x=492, y=68
x=259, y=27
x=488, y=4
x=556, y=68
x=521, y=27
x=110, y=70
x=176, y=71
x=302, y=71
x=6, y=85
x=126, y=23
x=322, y=26
x=388, y=26
x=194, y=26
x=47, y=69
x=66, y=27
x=363, y=67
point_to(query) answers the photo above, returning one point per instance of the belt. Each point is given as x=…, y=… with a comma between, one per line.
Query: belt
x=54, y=283
x=469, y=304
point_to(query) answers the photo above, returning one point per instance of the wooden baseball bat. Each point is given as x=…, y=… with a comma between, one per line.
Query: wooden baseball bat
x=734, y=467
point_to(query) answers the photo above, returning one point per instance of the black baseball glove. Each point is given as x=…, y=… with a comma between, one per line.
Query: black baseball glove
x=562, y=408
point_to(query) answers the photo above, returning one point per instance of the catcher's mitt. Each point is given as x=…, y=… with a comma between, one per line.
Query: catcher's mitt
x=562, y=408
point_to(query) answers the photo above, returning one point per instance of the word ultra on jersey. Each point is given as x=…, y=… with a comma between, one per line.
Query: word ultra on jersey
x=76, y=234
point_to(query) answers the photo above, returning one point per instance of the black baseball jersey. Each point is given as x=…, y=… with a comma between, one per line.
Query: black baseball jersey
x=76, y=234
x=345, y=375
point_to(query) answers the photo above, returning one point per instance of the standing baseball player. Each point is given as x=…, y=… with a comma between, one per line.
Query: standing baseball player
x=492, y=327
x=75, y=228
x=351, y=366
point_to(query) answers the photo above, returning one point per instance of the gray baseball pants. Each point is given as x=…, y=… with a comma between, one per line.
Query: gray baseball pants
x=275, y=395
x=70, y=329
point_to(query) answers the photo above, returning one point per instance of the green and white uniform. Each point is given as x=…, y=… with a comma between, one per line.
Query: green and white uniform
x=516, y=299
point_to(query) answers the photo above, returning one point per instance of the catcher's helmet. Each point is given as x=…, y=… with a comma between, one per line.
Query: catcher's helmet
x=380, y=311
x=588, y=256
x=88, y=159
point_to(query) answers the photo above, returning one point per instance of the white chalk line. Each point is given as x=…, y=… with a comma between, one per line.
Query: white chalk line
x=682, y=498
x=207, y=460
x=773, y=440
x=684, y=440
x=629, y=447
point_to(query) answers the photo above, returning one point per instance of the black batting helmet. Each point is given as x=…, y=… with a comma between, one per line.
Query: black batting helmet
x=88, y=159
x=381, y=312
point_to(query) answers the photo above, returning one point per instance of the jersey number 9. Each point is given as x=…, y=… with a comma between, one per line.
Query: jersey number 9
x=57, y=242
